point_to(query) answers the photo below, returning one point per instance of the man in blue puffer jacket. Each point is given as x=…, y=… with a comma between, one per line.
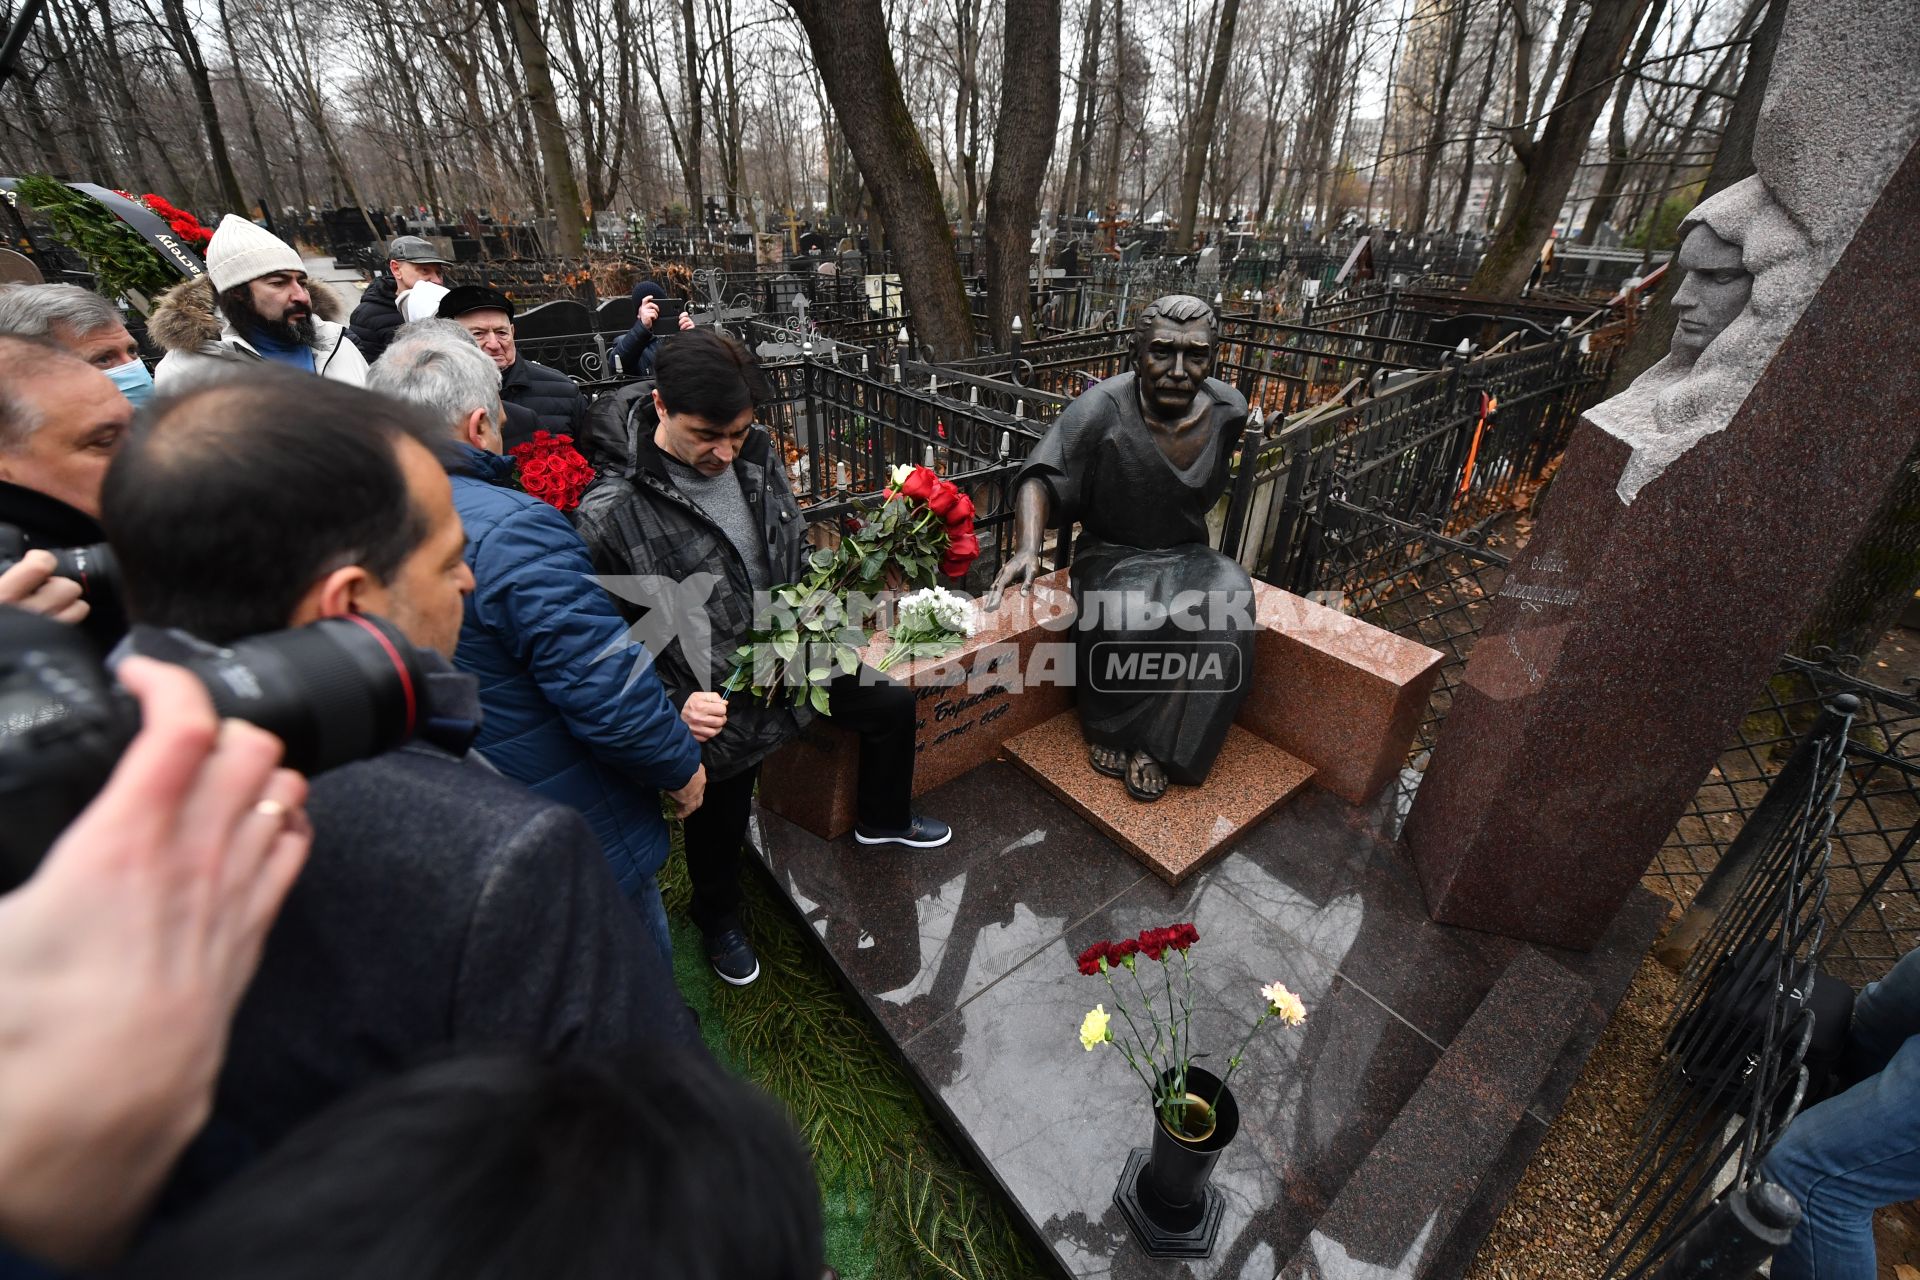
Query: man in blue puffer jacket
x=566, y=710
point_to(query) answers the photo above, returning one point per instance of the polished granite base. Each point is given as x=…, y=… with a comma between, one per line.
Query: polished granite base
x=1187, y=827
x=1378, y=1139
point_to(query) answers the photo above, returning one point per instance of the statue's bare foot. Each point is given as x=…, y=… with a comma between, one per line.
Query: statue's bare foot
x=1111, y=761
x=1146, y=780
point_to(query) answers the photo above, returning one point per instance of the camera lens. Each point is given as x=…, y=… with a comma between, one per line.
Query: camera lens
x=335, y=691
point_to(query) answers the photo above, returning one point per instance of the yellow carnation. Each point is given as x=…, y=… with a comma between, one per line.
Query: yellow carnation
x=1093, y=1028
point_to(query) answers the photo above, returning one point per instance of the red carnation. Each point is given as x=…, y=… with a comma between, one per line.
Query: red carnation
x=1090, y=959
x=1117, y=952
x=1184, y=936
x=919, y=484
x=1154, y=942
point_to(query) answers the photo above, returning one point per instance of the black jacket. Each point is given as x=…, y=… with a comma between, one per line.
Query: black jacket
x=372, y=325
x=551, y=394
x=635, y=521
x=51, y=525
x=443, y=909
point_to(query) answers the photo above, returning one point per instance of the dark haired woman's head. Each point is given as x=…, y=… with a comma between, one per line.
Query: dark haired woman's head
x=497, y=1168
x=706, y=385
x=249, y=506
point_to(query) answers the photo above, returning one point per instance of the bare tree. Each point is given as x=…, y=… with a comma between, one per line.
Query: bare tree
x=1551, y=159
x=850, y=47
x=561, y=184
x=1022, y=145
x=1199, y=135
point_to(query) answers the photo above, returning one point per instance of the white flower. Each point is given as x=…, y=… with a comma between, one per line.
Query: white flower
x=1283, y=1004
x=898, y=476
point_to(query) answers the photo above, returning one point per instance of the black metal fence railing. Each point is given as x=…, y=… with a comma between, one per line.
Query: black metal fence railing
x=1753, y=1003
x=1873, y=907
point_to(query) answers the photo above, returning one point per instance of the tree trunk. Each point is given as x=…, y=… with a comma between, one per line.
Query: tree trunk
x=1110, y=170
x=1458, y=220
x=1073, y=178
x=186, y=45
x=1201, y=138
x=561, y=183
x=1022, y=146
x=1437, y=136
x=850, y=46
x=268, y=196
x=125, y=113
x=1601, y=210
x=1552, y=161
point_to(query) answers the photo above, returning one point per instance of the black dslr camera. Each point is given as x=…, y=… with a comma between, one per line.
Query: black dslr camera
x=94, y=568
x=336, y=691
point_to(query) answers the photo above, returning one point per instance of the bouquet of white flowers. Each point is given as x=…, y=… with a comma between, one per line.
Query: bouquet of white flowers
x=927, y=624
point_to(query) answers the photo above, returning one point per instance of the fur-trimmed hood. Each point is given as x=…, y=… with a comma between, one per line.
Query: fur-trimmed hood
x=186, y=318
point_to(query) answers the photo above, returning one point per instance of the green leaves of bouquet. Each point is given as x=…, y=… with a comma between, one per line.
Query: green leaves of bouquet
x=920, y=525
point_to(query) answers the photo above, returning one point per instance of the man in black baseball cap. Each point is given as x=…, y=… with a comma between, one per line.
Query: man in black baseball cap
x=412, y=289
x=487, y=314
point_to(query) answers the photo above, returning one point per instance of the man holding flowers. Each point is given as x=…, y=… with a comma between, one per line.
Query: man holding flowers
x=703, y=498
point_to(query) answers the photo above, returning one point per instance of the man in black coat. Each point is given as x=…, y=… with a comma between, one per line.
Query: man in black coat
x=415, y=275
x=61, y=420
x=553, y=397
x=443, y=908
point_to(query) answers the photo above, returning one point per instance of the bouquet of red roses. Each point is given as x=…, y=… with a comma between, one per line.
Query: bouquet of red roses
x=921, y=523
x=951, y=507
x=552, y=470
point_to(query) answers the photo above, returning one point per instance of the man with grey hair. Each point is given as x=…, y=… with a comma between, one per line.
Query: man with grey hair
x=61, y=422
x=571, y=708
x=81, y=323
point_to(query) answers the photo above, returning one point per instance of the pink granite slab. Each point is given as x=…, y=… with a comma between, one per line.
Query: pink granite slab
x=970, y=701
x=1341, y=694
x=1189, y=826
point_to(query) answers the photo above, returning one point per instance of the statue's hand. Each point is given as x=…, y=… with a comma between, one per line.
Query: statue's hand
x=1023, y=566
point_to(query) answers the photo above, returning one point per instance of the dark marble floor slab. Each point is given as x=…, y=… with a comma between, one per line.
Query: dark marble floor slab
x=965, y=956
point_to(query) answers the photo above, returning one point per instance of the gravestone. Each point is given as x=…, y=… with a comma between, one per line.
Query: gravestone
x=1697, y=518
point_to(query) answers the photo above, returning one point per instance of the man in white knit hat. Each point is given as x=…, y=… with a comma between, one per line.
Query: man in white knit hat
x=254, y=304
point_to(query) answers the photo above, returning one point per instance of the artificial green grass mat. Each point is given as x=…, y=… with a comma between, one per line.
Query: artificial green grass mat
x=898, y=1200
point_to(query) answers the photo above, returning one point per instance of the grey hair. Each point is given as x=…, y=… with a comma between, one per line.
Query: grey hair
x=38, y=310
x=437, y=365
x=24, y=362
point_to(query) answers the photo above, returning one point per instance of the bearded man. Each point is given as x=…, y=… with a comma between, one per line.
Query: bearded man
x=254, y=304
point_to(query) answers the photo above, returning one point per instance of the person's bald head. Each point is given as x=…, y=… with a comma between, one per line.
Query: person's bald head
x=61, y=421
x=248, y=506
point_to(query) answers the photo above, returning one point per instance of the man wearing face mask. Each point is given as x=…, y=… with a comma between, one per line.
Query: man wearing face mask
x=255, y=306
x=81, y=323
x=61, y=422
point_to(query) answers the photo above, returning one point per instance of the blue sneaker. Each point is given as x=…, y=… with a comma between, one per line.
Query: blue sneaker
x=920, y=833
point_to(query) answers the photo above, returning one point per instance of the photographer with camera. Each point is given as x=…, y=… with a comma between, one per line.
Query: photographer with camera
x=123, y=959
x=565, y=710
x=444, y=908
x=61, y=420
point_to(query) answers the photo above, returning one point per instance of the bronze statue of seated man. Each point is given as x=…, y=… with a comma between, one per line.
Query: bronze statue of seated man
x=1164, y=640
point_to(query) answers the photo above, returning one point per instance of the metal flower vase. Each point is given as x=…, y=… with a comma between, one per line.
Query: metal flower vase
x=1165, y=1191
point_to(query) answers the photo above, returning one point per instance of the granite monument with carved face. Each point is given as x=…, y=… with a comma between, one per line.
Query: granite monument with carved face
x=1164, y=638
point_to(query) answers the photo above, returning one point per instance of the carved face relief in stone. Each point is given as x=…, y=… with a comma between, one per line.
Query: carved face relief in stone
x=1175, y=359
x=1714, y=292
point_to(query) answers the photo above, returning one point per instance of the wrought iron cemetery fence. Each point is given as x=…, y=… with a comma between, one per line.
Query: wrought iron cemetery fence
x=1873, y=909
x=1751, y=1034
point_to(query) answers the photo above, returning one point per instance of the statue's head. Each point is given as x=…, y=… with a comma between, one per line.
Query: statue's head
x=1713, y=292
x=1173, y=346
